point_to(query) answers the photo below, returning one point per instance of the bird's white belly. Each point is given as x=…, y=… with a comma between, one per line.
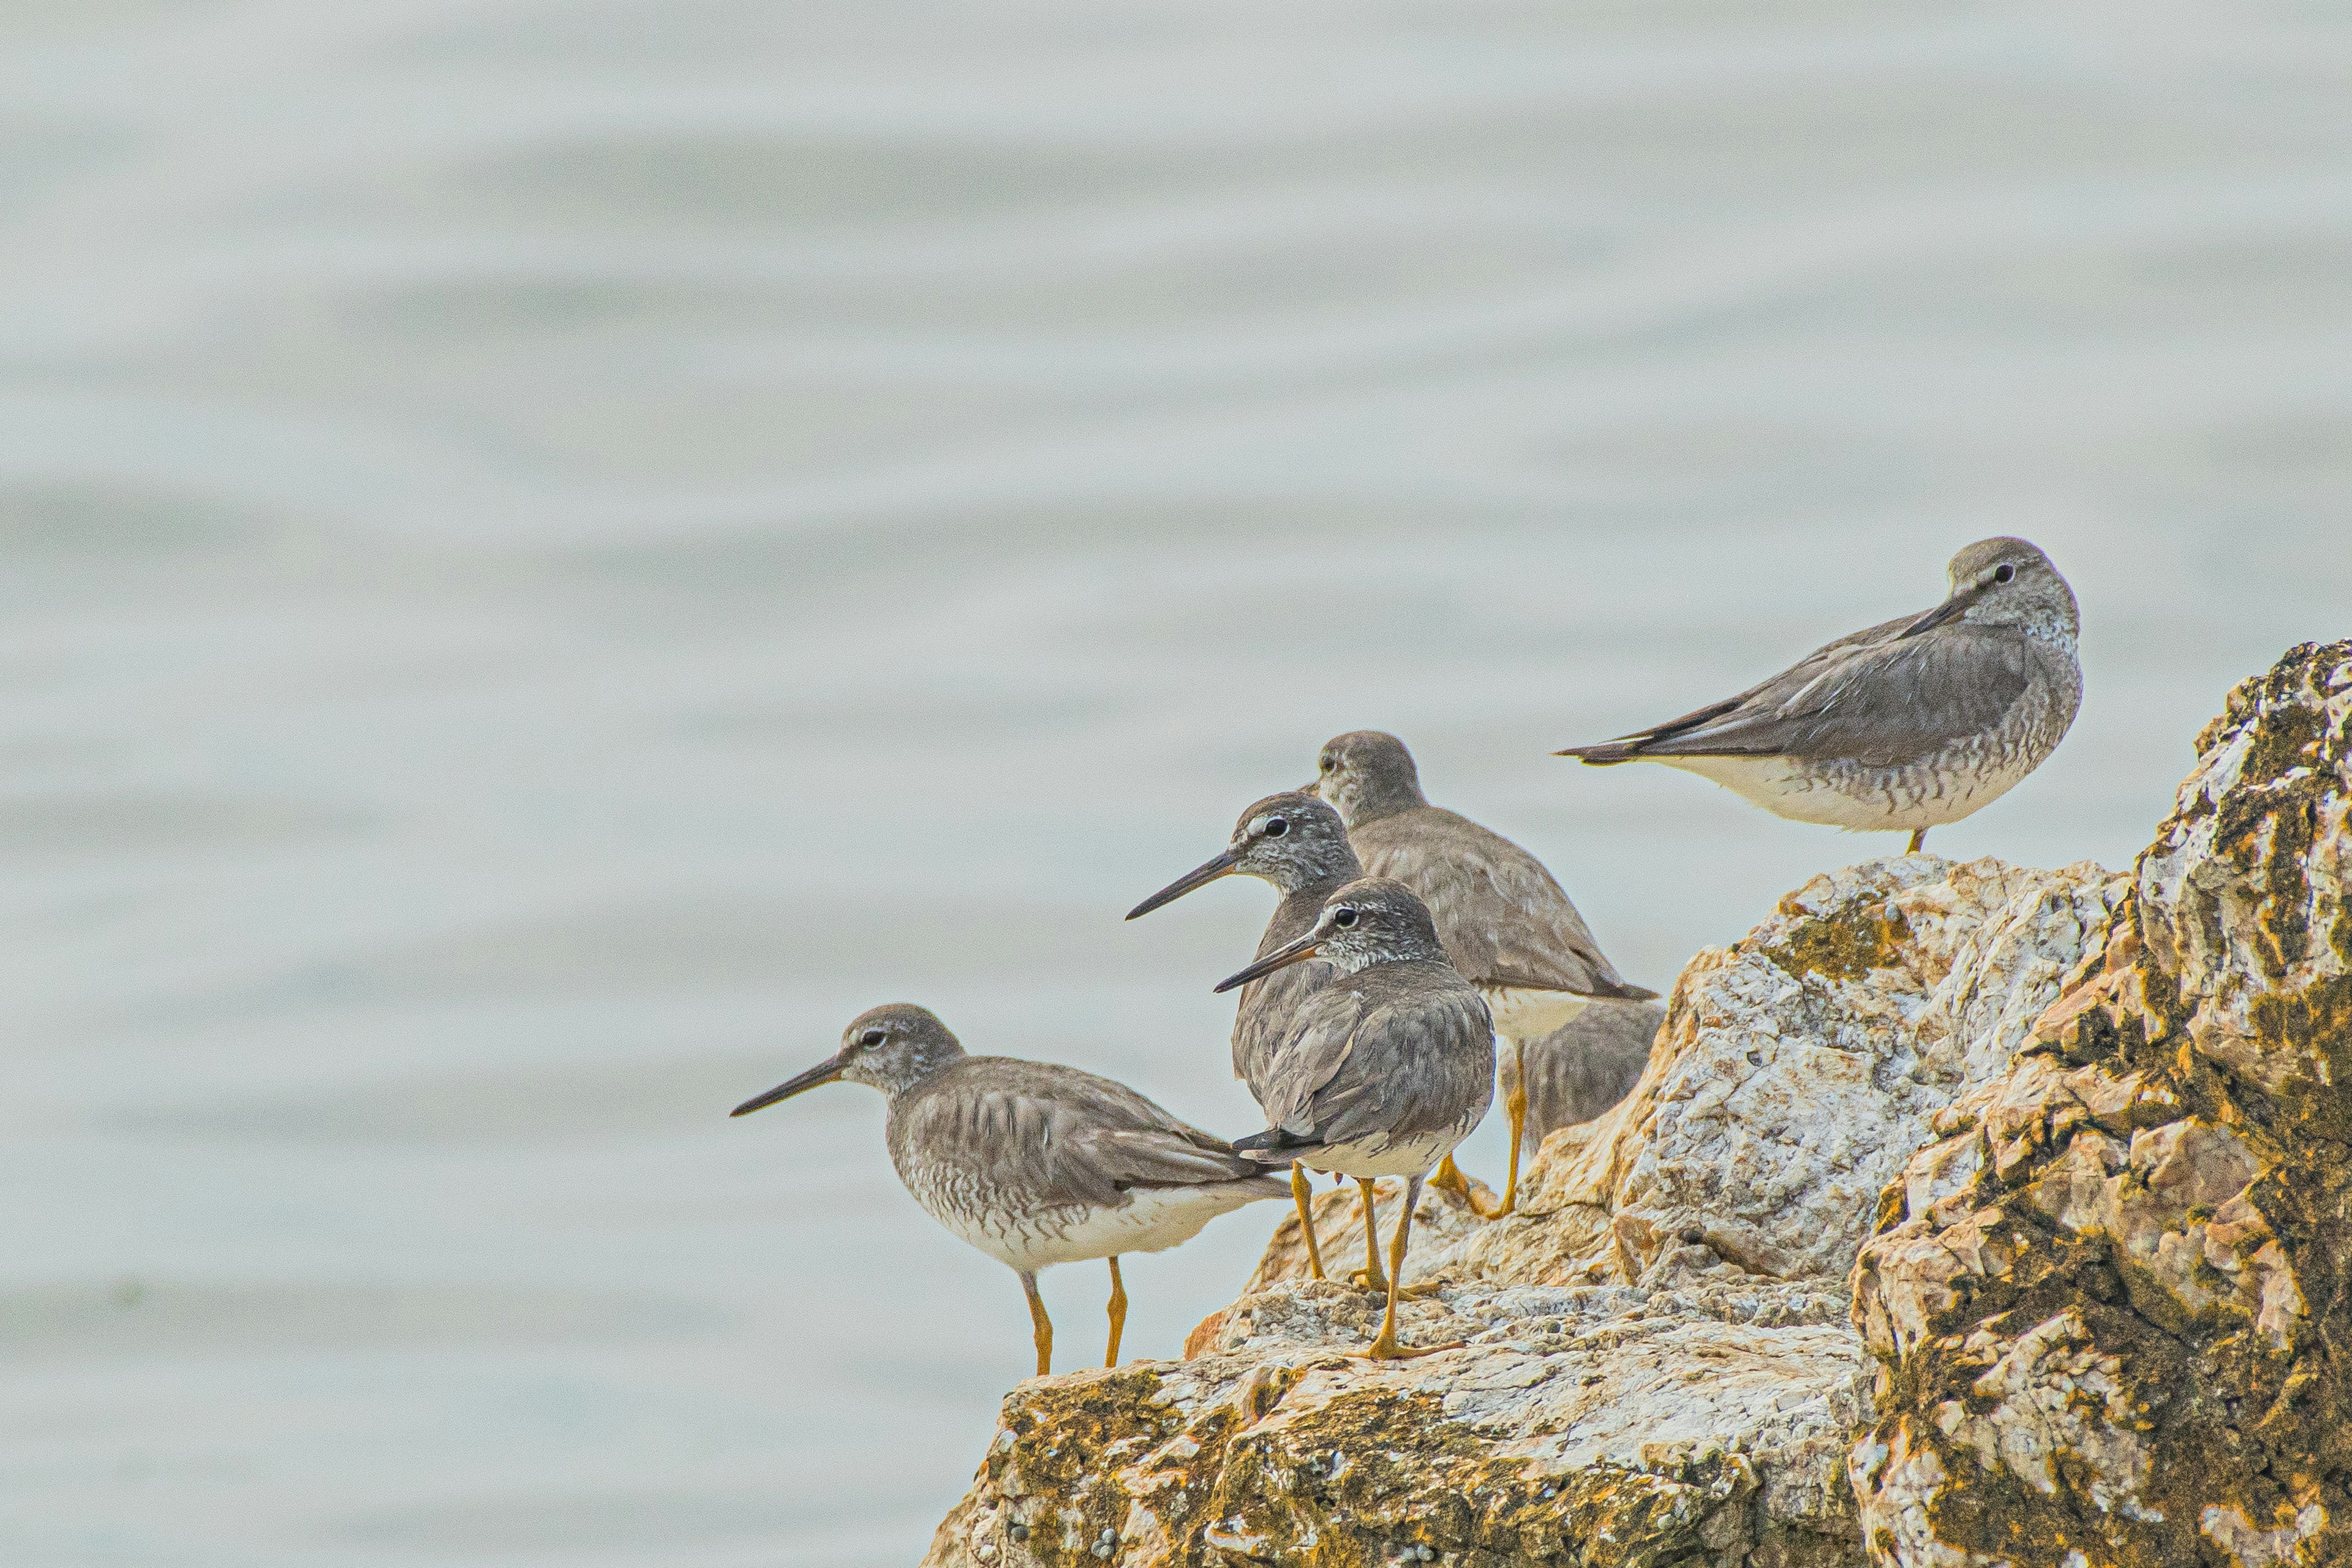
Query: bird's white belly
x=1149, y=1221
x=1863, y=800
x=1386, y=1156
x=1525, y=1016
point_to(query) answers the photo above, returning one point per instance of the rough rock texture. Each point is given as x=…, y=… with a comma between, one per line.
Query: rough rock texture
x=2062, y=1144
x=2109, y=1303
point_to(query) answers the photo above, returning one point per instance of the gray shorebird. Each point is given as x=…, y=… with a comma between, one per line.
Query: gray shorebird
x=1299, y=845
x=1912, y=723
x=1579, y=1071
x=1384, y=1070
x=1031, y=1163
x=1505, y=923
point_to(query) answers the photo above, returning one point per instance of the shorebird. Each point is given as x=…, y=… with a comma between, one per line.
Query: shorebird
x=1579, y=1071
x=1912, y=723
x=1386, y=1069
x=1299, y=845
x=1504, y=920
x=1031, y=1162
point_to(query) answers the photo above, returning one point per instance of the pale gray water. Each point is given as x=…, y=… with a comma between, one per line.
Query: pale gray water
x=555, y=552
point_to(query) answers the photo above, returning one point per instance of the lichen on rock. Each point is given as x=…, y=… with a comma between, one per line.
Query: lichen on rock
x=1966, y=1214
x=2109, y=1305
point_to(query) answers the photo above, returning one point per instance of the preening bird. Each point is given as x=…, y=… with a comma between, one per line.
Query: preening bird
x=1908, y=725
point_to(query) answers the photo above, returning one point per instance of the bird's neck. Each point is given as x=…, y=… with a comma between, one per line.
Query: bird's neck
x=1357, y=964
x=1319, y=881
x=1391, y=800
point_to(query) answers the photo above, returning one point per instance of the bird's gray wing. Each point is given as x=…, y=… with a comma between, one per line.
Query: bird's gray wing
x=1059, y=1136
x=1417, y=1061
x=1322, y=1036
x=1643, y=742
x=1583, y=1067
x=1269, y=1007
x=1504, y=918
x=1882, y=704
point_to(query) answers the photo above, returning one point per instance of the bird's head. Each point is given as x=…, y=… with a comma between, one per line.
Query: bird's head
x=1290, y=839
x=1366, y=775
x=1370, y=921
x=891, y=1047
x=2005, y=583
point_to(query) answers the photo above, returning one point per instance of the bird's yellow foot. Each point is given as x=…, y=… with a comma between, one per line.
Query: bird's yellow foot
x=1448, y=1178
x=1386, y=1348
x=1378, y=1285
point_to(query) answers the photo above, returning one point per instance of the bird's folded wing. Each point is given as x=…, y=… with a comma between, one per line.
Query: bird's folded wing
x=1073, y=1137
x=1504, y=919
x=1417, y=1064
x=1650, y=741
x=1884, y=705
x=1526, y=933
x=1139, y=1158
x=1322, y=1037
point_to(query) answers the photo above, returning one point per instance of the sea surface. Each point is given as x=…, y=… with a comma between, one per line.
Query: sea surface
x=552, y=552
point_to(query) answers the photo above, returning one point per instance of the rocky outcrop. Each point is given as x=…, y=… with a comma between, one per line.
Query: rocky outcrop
x=2075, y=1128
x=2109, y=1303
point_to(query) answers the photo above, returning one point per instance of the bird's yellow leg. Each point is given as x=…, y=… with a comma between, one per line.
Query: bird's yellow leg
x=1369, y=1277
x=1385, y=1348
x=1448, y=1178
x=1298, y=1194
x=1516, y=1104
x=1118, y=1314
x=1919, y=837
x=1042, y=1324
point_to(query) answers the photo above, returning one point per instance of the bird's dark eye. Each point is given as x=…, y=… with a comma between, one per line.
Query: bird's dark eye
x=1343, y=918
x=1275, y=828
x=871, y=1037
x=2004, y=573
x=1329, y=763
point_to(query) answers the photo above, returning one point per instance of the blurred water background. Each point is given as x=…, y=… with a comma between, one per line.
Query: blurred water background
x=553, y=551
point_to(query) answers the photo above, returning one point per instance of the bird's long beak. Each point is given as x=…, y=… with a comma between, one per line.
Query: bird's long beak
x=1282, y=957
x=826, y=1071
x=1950, y=609
x=1200, y=875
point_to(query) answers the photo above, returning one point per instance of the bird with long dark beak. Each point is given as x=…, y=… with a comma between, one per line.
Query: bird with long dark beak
x=1505, y=921
x=1905, y=725
x=1299, y=845
x=1385, y=1069
x=1031, y=1162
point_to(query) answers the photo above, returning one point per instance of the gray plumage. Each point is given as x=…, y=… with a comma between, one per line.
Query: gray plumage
x=1298, y=844
x=1391, y=1064
x=1581, y=1070
x=1033, y=1162
x=1505, y=921
x=1911, y=723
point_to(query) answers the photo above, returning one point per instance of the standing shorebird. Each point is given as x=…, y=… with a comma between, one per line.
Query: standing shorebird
x=1579, y=1071
x=1386, y=1069
x=1034, y=1164
x=1299, y=845
x=1913, y=723
x=1504, y=920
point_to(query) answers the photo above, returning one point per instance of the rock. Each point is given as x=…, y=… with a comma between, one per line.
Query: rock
x=1659, y=1364
x=2109, y=1304
x=1964, y=1213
